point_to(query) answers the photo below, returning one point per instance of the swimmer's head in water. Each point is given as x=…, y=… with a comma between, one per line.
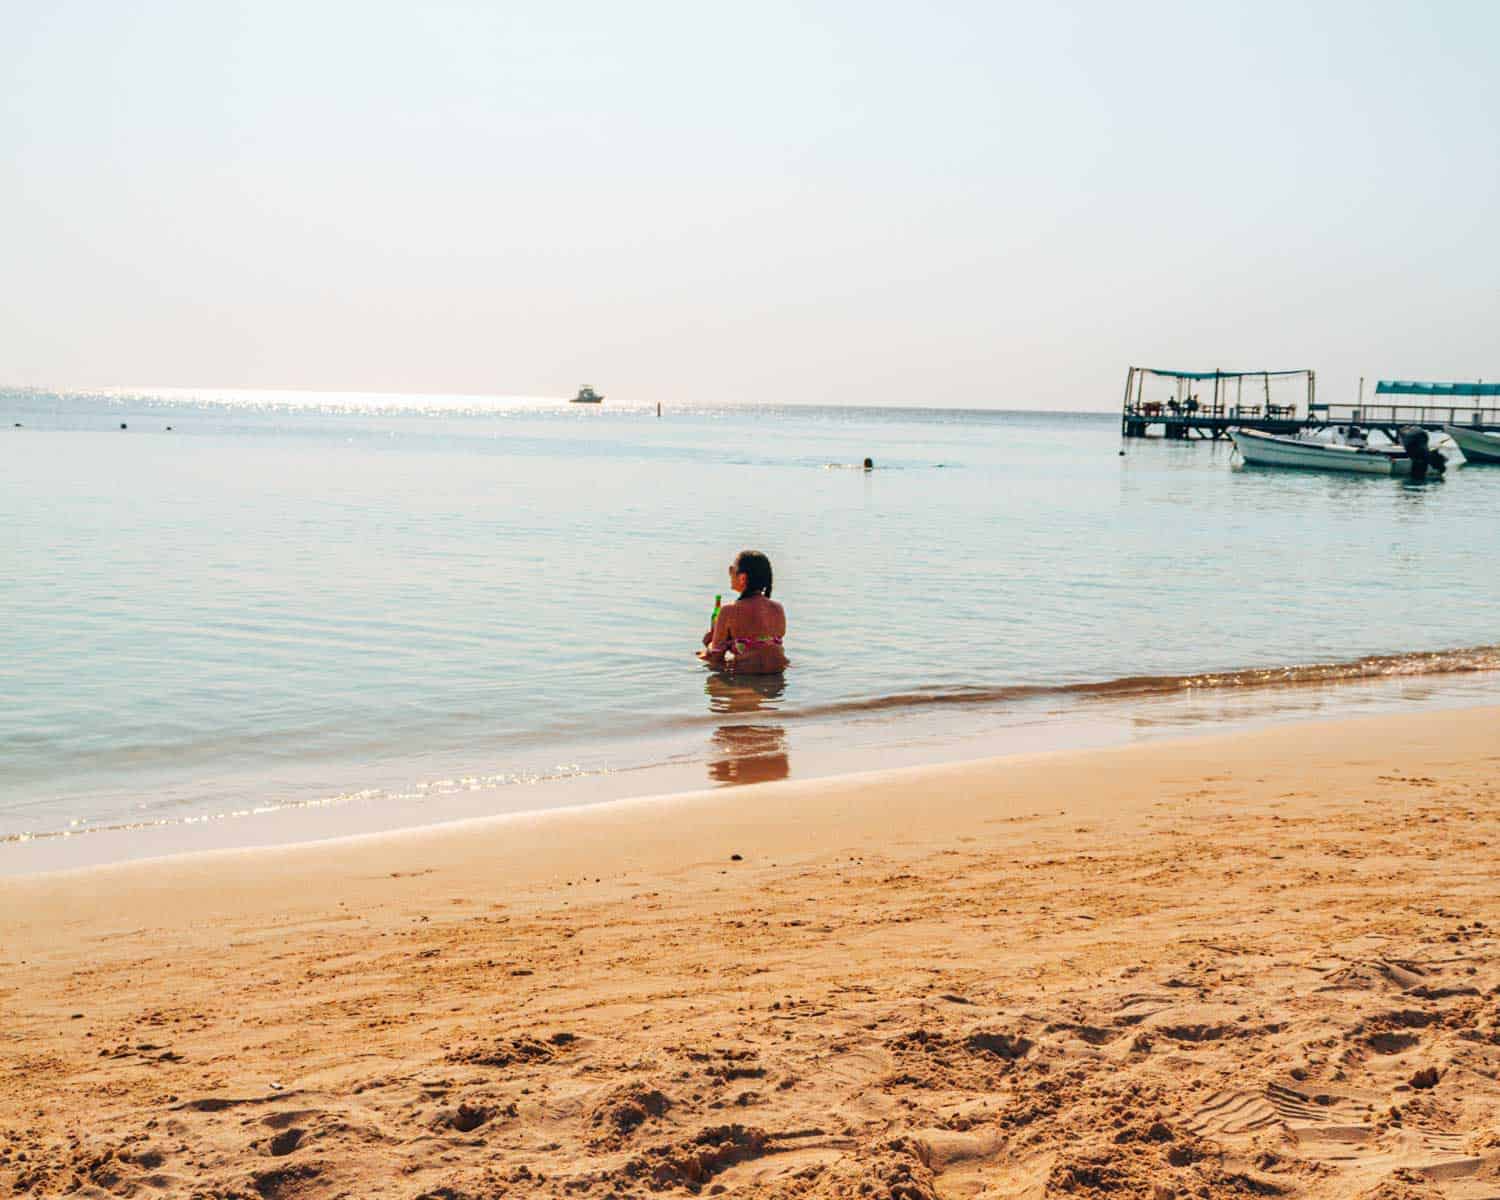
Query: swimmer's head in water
x=756, y=568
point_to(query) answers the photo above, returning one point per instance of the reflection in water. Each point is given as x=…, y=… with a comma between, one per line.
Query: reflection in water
x=746, y=753
x=749, y=754
x=729, y=693
x=1414, y=489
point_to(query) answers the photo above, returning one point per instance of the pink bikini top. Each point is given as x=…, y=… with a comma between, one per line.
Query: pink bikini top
x=749, y=643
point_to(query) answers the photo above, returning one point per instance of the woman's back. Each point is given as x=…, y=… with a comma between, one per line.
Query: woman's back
x=748, y=635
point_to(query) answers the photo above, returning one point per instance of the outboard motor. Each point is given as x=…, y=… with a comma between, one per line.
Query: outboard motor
x=1423, y=459
x=1414, y=442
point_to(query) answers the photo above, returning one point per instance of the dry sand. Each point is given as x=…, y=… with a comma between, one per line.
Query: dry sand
x=1254, y=965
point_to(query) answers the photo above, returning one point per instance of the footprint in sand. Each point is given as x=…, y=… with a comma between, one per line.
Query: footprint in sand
x=1325, y=1126
x=283, y=1182
x=285, y=1142
x=1372, y=975
x=1391, y=1043
x=1135, y=1007
x=1225, y=1114
x=466, y=1118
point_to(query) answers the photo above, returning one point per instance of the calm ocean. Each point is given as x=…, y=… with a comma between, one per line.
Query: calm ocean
x=355, y=604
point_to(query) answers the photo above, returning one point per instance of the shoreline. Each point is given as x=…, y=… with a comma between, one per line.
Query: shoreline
x=749, y=748
x=1214, y=965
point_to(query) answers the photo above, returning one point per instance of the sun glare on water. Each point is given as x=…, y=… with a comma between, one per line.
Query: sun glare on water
x=278, y=400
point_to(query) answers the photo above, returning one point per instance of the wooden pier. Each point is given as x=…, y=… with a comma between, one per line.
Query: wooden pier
x=1186, y=412
x=1259, y=400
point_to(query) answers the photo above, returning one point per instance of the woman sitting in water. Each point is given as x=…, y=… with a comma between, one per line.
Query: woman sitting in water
x=746, y=639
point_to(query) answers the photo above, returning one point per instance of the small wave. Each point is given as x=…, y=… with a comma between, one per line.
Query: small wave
x=427, y=789
x=1370, y=667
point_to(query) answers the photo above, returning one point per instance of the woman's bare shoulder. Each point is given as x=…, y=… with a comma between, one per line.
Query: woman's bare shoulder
x=755, y=604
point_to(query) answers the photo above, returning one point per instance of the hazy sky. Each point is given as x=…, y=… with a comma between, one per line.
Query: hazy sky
x=997, y=204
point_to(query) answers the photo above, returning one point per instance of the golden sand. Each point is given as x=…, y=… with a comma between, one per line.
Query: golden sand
x=1264, y=964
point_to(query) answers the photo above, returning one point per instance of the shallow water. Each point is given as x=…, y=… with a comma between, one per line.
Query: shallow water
x=377, y=601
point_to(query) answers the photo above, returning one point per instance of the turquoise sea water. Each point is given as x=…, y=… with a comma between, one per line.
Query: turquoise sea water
x=294, y=600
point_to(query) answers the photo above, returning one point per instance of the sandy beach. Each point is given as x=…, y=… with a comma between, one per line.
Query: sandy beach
x=1263, y=964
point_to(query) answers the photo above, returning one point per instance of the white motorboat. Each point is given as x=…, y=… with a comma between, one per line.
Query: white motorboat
x=1327, y=450
x=1478, y=446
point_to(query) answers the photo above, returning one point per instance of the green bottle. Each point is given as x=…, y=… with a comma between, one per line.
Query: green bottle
x=718, y=602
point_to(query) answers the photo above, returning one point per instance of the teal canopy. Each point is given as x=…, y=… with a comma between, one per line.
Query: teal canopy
x=1402, y=387
x=1218, y=374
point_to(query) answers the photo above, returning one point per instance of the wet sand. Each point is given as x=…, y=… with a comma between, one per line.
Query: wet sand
x=1250, y=965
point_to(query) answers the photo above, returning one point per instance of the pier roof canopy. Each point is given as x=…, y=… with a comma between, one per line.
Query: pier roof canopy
x=1405, y=387
x=1218, y=374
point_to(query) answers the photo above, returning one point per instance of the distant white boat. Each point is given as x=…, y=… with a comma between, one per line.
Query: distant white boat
x=1337, y=453
x=1478, y=446
x=587, y=395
